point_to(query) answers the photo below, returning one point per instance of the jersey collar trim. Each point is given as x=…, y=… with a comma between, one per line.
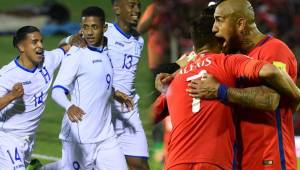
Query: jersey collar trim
x=122, y=32
x=99, y=49
x=24, y=68
x=264, y=40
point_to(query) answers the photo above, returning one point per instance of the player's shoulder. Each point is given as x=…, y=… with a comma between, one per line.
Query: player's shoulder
x=232, y=58
x=75, y=51
x=110, y=26
x=54, y=52
x=139, y=38
x=8, y=69
x=275, y=43
x=237, y=56
x=110, y=31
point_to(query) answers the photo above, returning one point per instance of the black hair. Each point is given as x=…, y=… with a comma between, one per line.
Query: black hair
x=22, y=33
x=94, y=11
x=201, y=27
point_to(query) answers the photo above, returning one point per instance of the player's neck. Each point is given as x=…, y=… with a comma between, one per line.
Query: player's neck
x=251, y=40
x=126, y=28
x=207, y=49
x=99, y=44
x=25, y=62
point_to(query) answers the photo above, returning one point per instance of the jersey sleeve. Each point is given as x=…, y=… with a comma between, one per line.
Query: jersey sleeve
x=281, y=57
x=68, y=71
x=4, y=89
x=56, y=56
x=242, y=66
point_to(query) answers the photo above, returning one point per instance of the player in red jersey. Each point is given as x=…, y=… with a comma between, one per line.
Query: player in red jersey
x=265, y=139
x=203, y=132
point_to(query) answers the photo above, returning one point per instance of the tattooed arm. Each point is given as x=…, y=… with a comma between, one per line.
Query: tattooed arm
x=260, y=97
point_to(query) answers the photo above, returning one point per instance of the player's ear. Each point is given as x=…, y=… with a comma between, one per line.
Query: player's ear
x=20, y=47
x=116, y=9
x=242, y=25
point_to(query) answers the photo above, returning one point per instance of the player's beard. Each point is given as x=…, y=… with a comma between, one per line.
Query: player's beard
x=232, y=46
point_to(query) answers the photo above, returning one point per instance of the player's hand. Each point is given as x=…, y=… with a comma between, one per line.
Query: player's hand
x=78, y=41
x=17, y=91
x=75, y=113
x=162, y=81
x=124, y=99
x=206, y=88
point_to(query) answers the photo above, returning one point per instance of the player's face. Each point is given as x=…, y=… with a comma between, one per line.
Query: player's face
x=224, y=28
x=92, y=29
x=32, y=47
x=130, y=11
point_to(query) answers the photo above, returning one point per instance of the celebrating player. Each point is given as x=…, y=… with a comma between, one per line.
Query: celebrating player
x=24, y=84
x=87, y=133
x=265, y=139
x=203, y=133
x=125, y=46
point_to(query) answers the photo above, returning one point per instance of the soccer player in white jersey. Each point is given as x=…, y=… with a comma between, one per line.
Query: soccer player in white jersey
x=24, y=84
x=125, y=46
x=87, y=134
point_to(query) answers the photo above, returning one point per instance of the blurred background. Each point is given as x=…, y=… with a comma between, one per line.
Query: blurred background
x=166, y=38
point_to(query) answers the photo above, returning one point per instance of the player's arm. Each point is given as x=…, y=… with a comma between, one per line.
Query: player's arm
x=159, y=109
x=16, y=92
x=72, y=40
x=147, y=19
x=260, y=97
x=59, y=95
x=123, y=98
x=65, y=77
x=279, y=81
x=252, y=69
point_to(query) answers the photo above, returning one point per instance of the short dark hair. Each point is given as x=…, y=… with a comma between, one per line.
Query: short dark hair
x=22, y=33
x=201, y=27
x=94, y=11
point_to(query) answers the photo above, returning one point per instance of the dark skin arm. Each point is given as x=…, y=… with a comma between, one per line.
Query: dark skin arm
x=272, y=76
x=124, y=99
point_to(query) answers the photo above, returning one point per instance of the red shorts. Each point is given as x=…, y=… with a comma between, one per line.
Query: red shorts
x=196, y=166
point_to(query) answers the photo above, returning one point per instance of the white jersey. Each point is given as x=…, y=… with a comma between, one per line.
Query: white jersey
x=125, y=52
x=87, y=74
x=21, y=117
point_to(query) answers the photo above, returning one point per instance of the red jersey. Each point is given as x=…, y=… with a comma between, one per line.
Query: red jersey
x=266, y=139
x=203, y=131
